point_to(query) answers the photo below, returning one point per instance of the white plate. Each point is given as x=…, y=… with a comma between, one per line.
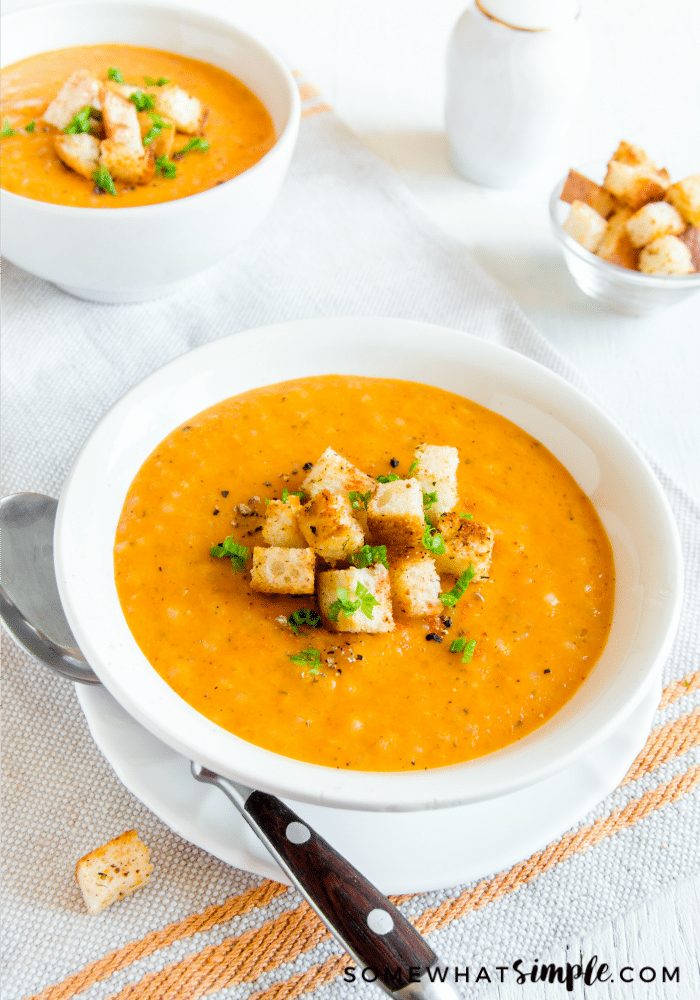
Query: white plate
x=399, y=852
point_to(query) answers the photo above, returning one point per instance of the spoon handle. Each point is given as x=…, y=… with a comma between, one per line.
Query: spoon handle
x=376, y=934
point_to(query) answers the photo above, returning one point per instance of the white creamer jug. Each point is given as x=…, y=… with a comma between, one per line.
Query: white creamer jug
x=514, y=71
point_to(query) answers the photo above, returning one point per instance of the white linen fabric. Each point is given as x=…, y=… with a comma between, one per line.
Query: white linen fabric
x=345, y=238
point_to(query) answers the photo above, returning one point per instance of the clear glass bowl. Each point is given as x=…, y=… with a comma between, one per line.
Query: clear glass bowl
x=627, y=291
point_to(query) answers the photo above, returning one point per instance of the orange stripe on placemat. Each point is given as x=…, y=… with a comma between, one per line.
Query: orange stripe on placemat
x=666, y=742
x=678, y=689
x=103, y=968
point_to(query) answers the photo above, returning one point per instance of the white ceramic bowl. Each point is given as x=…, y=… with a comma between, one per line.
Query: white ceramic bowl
x=630, y=292
x=605, y=464
x=138, y=253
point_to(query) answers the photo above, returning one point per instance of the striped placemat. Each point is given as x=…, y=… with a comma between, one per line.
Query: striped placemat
x=344, y=239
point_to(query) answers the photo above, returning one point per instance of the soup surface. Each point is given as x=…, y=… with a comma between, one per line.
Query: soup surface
x=238, y=128
x=382, y=702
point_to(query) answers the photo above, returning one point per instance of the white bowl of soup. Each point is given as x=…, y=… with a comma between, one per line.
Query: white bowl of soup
x=208, y=176
x=571, y=627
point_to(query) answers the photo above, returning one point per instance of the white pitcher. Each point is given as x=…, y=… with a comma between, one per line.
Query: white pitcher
x=515, y=69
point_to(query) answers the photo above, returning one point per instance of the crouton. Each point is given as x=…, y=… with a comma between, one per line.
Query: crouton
x=585, y=226
x=187, y=113
x=124, y=90
x=115, y=870
x=127, y=164
x=162, y=144
x=79, y=90
x=375, y=579
x=633, y=156
x=580, y=188
x=466, y=542
x=691, y=238
x=281, y=527
x=633, y=185
x=121, y=121
x=335, y=473
x=685, y=198
x=415, y=584
x=395, y=513
x=80, y=152
x=616, y=246
x=657, y=218
x=436, y=471
x=283, y=571
x=666, y=255
x=328, y=525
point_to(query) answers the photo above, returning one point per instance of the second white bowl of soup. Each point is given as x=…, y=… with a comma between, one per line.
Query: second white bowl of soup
x=217, y=114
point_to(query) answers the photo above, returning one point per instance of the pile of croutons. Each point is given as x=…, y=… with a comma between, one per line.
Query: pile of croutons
x=637, y=218
x=103, y=129
x=318, y=546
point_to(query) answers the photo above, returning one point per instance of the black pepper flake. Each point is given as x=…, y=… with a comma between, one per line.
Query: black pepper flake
x=394, y=462
x=215, y=511
x=268, y=483
x=313, y=529
x=224, y=493
x=308, y=466
x=447, y=622
x=433, y=637
x=359, y=656
x=548, y=671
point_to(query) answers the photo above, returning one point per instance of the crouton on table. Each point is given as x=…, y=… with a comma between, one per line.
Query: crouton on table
x=395, y=513
x=329, y=526
x=80, y=152
x=466, y=542
x=80, y=90
x=283, y=571
x=436, y=471
x=415, y=584
x=281, y=527
x=585, y=226
x=375, y=579
x=117, y=869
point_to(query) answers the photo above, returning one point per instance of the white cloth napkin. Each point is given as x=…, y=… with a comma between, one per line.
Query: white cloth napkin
x=344, y=238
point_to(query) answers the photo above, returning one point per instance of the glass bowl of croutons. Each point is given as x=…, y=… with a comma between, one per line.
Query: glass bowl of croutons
x=630, y=237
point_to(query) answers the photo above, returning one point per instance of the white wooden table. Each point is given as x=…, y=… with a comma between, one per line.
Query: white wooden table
x=381, y=64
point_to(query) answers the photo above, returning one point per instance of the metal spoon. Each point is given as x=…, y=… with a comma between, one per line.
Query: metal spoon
x=376, y=934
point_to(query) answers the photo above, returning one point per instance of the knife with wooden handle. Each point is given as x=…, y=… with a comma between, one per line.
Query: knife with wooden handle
x=375, y=933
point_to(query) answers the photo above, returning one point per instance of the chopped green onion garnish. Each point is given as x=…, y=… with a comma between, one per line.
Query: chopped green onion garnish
x=359, y=500
x=115, y=74
x=307, y=658
x=413, y=466
x=237, y=552
x=391, y=478
x=6, y=129
x=103, y=180
x=160, y=82
x=30, y=127
x=433, y=540
x=155, y=130
x=366, y=602
x=80, y=122
x=286, y=494
x=429, y=499
x=469, y=651
x=141, y=101
x=368, y=555
x=196, y=143
x=452, y=596
x=301, y=617
x=457, y=645
x=165, y=167
x=469, y=517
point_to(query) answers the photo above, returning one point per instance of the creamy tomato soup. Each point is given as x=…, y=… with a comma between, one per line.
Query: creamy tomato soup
x=236, y=129
x=392, y=701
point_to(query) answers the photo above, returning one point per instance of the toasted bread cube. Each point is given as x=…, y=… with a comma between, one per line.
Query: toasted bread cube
x=466, y=542
x=283, y=571
x=124, y=90
x=115, y=870
x=633, y=185
x=79, y=90
x=415, y=584
x=436, y=471
x=691, y=238
x=632, y=155
x=80, y=152
x=335, y=473
x=395, y=513
x=666, y=255
x=162, y=144
x=616, y=246
x=329, y=526
x=121, y=121
x=657, y=218
x=580, y=188
x=375, y=579
x=281, y=527
x=585, y=226
x=685, y=197
x=187, y=113
x=133, y=166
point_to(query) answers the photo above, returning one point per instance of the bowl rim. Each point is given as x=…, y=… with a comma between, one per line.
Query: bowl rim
x=621, y=274
x=288, y=133
x=85, y=496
